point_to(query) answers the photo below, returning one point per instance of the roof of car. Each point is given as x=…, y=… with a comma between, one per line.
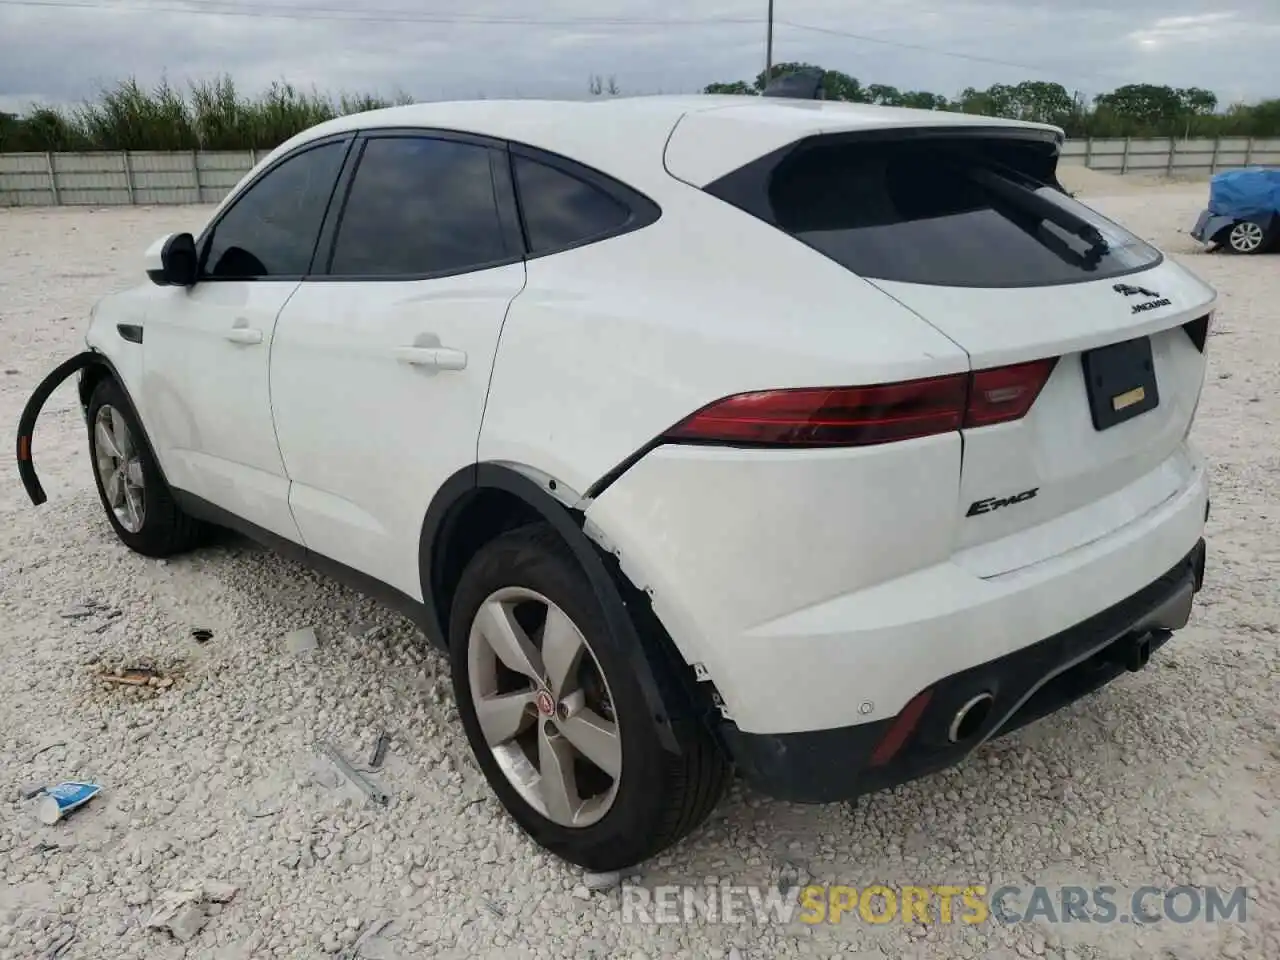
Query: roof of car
x=627, y=136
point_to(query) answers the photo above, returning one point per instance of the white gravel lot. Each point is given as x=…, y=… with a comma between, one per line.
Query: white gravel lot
x=1167, y=777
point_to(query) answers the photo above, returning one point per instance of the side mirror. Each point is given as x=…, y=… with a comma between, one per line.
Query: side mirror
x=172, y=261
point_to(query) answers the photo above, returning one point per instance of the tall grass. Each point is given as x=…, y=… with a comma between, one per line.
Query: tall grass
x=211, y=115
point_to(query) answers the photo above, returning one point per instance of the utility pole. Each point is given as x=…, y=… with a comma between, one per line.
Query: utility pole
x=768, y=48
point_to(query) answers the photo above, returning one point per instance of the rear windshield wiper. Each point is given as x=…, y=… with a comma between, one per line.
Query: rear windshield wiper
x=1027, y=199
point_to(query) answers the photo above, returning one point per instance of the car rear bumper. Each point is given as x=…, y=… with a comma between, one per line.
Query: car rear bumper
x=1022, y=686
x=1209, y=225
x=846, y=597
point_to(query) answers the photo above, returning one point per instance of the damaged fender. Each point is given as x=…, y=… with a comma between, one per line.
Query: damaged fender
x=625, y=607
x=31, y=412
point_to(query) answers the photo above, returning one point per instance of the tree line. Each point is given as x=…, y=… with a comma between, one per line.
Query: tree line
x=215, y=115
x=1133, y=110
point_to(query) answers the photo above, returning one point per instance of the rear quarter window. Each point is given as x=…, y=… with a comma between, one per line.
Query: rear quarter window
x=562, y=211
x=914, y=211
x=564, y=204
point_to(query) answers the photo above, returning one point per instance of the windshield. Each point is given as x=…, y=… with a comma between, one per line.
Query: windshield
x=928, y=212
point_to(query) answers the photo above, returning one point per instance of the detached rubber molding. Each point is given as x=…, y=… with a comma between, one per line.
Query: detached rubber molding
x=31, y=412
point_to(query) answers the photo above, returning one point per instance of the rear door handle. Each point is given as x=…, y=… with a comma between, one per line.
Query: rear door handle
x=438, y=358
x=244, y=335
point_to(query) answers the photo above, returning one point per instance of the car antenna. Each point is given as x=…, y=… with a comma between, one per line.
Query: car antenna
x=803, y=84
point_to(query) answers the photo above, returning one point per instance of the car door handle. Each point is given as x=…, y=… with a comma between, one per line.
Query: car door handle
x=438, y=358
x=244, y=335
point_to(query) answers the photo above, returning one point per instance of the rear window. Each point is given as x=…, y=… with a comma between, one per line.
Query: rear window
x=943, y=213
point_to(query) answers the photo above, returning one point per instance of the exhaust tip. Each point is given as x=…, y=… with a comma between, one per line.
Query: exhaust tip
x=970, y=718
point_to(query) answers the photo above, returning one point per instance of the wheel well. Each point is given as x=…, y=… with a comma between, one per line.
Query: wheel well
x=90, y=377
x=505, y=501
x=482, y=516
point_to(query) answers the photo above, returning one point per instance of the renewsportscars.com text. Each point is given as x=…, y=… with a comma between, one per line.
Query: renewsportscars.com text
x=969, y=905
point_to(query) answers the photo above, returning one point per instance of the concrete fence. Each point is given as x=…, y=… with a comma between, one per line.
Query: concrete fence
x=148, y=177
x=114, y=179
x=1168, y=156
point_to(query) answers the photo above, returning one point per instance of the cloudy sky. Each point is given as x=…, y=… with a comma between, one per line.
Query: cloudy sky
x=61, y=51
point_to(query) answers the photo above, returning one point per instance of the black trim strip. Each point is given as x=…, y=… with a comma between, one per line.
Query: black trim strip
x=323, y=250
x=39, y=396
x=606, y=481
x=504, y=191
x=401, y=602
x=31, y=412
x=1198, y=331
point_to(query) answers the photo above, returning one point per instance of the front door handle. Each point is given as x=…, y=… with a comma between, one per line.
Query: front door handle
x=438, y=358
x=244, y=335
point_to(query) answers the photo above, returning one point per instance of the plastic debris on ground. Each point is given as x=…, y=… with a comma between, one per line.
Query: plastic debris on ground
x=183, y=913
x=63, y=799
x=301, y=642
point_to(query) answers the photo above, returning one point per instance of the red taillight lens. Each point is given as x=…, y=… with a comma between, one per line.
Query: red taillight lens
x=860, y=416
x=1006, y=393
x=831, y=416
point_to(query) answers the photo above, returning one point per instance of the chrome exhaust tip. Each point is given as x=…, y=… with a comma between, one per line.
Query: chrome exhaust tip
x=970, y=718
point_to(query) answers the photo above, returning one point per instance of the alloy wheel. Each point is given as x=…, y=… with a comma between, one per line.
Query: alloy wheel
x=1246, y=237
x=119, y=465
x=544, y=707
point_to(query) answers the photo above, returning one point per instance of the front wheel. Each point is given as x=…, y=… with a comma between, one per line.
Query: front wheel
x=138, y=502
x=557, y=719
x=1246, y=237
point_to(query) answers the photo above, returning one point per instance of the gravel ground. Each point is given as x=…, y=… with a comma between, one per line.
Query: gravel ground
x=1167, y=777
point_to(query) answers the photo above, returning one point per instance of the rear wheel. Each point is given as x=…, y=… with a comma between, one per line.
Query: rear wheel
x=138, y=502
x=556, y=718
x=1246, y=237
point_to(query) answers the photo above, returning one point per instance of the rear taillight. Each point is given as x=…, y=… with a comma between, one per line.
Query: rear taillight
x=1002, y=394
x=861, y=416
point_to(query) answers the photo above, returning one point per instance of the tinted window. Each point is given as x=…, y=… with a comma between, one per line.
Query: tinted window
x=419, y=206
x=561, y=210
x=923, y=213
x=271, y=230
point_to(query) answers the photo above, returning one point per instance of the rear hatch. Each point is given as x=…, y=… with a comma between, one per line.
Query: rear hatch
x=969, y=229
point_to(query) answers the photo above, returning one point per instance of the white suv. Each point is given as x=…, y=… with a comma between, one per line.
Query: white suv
x=821, y=440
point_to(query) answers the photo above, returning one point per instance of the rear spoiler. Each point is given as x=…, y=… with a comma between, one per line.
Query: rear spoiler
x=27, y=422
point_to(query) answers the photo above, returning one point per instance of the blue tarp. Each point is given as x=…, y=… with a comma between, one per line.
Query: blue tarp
x=1245, y=193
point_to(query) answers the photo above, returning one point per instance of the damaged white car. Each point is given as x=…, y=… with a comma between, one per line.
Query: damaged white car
x=819, y=440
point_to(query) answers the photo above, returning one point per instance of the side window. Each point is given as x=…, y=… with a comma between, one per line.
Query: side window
x=419, y=206
x=271, y=230
x=560, y=210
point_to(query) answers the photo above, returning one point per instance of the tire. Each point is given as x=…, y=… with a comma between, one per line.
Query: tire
x=139, y=504
x=656, y=798
x=1246, y=238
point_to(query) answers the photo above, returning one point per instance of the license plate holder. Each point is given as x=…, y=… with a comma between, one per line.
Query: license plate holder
x=1120, y=380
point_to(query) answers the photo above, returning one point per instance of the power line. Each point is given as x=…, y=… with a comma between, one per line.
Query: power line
x=937, y=51
x=309, y=12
